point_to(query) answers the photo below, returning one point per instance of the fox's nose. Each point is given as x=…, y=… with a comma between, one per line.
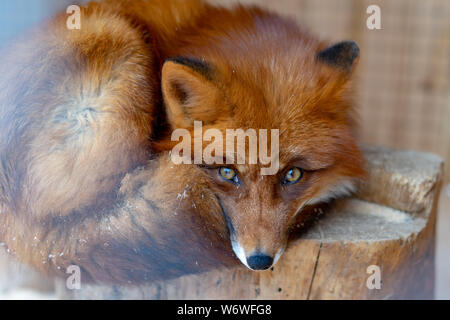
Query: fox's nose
x=259, y=261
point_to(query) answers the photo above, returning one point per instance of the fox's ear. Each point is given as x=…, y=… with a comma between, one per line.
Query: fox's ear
x=342, y=55
x=189, y=92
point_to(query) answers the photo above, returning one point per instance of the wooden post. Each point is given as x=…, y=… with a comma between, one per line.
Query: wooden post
x=388, y=227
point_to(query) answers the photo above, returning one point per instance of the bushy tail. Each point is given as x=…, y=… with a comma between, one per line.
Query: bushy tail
x=76, y=110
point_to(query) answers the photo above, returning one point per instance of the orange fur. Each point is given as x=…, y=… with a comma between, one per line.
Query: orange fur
x=84, y=173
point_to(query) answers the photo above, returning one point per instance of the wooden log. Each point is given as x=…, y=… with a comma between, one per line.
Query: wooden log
x=389, y=225
x=18, y=281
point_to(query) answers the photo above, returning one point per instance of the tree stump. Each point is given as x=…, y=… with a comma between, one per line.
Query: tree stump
x=19, y=281
x=389, y=226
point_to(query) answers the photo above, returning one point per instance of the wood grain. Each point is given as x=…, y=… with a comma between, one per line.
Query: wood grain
x=330, y=259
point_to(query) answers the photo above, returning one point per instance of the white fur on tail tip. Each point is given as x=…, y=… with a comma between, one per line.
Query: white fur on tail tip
x=340, y=189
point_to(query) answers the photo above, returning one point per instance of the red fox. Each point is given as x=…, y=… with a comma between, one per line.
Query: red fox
x=86, y=117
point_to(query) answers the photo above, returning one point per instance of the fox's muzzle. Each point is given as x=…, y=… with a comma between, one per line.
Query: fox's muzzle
x=259, y=261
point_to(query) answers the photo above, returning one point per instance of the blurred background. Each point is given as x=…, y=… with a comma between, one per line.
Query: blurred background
x=403, y=79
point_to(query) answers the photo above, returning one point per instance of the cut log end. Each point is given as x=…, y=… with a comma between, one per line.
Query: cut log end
x=378, y=245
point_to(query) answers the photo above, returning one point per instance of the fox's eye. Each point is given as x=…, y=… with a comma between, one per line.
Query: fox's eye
x=228, y=174
x=293, y=175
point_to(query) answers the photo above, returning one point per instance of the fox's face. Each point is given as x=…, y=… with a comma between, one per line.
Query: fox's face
x=303, y=96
